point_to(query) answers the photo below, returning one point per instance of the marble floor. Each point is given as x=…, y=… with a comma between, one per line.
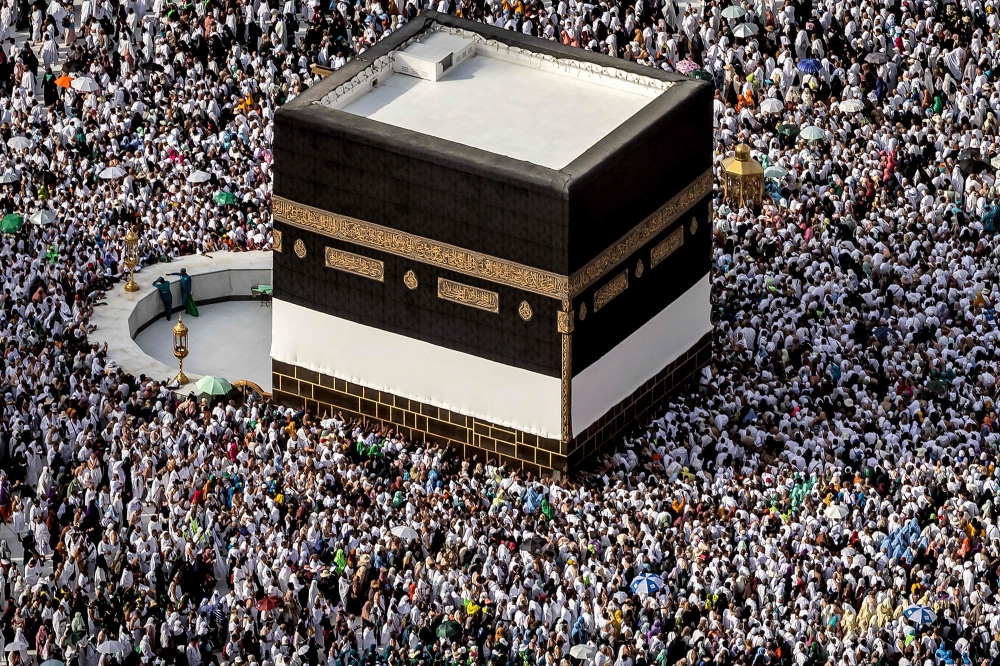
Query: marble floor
x=230, y=339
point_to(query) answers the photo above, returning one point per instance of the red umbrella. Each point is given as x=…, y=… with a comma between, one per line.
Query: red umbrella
x=268, y=603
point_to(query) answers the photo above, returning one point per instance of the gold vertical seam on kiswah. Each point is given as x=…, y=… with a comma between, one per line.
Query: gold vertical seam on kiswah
x=640, y=234
x=366, y=267
x=604, y=295
x=666, y=247
x=465, y=294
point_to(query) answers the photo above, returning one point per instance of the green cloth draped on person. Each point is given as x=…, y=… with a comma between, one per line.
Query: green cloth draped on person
x=187, y=300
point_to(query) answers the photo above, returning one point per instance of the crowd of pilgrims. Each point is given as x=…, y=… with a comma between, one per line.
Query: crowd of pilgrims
x=833, y=466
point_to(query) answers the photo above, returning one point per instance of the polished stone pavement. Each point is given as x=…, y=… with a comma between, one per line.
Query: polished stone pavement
x=230, y=339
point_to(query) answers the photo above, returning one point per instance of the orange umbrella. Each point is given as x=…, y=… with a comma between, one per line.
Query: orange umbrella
x=64, y=81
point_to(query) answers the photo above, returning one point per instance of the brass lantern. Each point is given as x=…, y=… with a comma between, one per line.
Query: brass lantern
x=131, y=258
x=744, y=184
x=181, y=347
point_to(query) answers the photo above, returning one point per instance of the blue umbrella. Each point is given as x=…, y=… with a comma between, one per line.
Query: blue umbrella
x=919, y=614
x=809, y=65
x=646, y=584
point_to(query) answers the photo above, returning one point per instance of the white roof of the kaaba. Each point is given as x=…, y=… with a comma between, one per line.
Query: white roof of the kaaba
x=504, y=99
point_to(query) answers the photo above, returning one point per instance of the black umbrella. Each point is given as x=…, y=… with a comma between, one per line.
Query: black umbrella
x=877, y=58
x=152, y=66
x=534, y=544
x=23, y=490
x=969, y=165
x=969, y=154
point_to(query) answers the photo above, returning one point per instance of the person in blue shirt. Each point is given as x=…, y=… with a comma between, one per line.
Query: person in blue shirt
x=163, y=287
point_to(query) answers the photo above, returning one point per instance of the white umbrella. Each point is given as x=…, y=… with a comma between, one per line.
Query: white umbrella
x=771, y=105
x=20, y=143
x=112, y=172
x=405, y=532
x=582, y=651
x=8, y=178
x=110, y=647
x=745, y=30
x=56, y=11
x=812, y=133
x=836, y=511
x=199, y=177
x=733, y=12
x=42, y=218
x=16, y=646
x=775, y=171
x=852, y=105
x=85, y=84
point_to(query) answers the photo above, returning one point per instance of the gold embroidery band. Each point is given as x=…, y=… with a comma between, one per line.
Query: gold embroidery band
x=276, y=235
x=604, y=295
x=666, y=247
x=464, y=294
x=407, y=245
x=483, y=266
x=373, y=269
x=640, y=234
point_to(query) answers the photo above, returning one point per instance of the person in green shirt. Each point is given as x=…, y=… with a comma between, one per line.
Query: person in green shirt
x=163, y=287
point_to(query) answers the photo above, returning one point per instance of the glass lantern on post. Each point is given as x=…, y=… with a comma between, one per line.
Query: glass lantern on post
x=744, y=180
x=131, y=256
x=181, y=348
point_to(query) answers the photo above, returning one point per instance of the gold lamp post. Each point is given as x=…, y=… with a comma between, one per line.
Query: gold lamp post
x=131, y=258
x=744, y=184
x=181, y=348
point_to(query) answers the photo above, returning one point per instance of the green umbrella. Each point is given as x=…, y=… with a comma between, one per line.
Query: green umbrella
x=211, y=385
x=937, y=386
x=226, y=198
x=789, y=130
x=448, y=629
x=700, y=74
x=12, y=223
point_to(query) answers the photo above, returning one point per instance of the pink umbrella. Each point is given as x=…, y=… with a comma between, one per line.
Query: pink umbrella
x=686, y=66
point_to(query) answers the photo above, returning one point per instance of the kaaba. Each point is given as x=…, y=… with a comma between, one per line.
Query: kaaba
x=493, y=241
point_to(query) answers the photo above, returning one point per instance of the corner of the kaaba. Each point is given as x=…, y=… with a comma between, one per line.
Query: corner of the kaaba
x=640, y=262
x=620, y=237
